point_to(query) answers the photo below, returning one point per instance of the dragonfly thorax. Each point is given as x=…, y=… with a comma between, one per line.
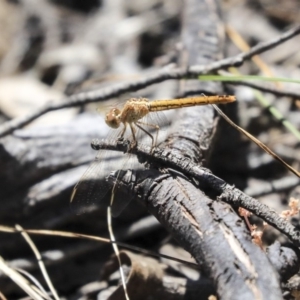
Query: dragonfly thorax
x=133, y=110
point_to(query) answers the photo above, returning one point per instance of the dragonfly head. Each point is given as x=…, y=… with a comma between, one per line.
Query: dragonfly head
x=112, y=118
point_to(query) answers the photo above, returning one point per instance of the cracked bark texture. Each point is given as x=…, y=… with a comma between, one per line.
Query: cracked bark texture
x=210, y=231
x=226, y=251
x=40, y=167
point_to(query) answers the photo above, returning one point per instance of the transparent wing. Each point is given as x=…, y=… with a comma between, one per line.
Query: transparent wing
x=156, y=123
x=104, y=107
x=93, y=190
x=158, y=118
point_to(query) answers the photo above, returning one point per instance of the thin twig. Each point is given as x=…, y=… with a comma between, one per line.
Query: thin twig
x=2, y=297
x=257, y=142
x=40, y=261
x=270, y=90
x=67, y=234
x=40, y=289
x=23, y=283
x=162, y=75
x=115, y=246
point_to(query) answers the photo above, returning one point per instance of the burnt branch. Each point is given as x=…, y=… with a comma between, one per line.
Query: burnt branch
x=227, y=193
x=277, y=92
x=207, y=229
x=162, y=75
x=41, y=165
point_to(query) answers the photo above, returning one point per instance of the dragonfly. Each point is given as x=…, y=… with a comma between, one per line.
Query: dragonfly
x=135, y=117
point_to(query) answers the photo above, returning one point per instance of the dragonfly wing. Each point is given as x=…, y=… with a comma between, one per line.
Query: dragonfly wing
x=158, y=118
x=120, y=202
x=123, y=177
x=92, y=190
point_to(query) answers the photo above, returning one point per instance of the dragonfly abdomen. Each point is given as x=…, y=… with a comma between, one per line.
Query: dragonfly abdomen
x=158, y=105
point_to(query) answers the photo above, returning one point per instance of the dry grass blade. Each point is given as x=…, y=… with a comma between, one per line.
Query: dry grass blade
x=114, y=245
x=266, y=70
x=40, y=261
x=257, y=142
x=22, y=282
x=35, y=282
x=240, y=42
x=67, y=234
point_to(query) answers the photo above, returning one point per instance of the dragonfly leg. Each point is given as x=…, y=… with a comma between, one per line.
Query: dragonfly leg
x=156, y=127
x=147, y=132
x=123, y=131
x=134, y=144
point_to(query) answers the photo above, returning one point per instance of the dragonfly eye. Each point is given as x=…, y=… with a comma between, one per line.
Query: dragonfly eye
x=112, y=118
